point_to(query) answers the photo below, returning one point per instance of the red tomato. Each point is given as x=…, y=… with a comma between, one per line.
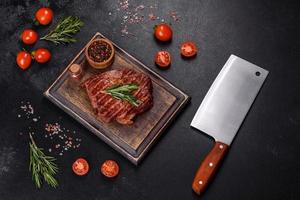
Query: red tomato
x=41, y=55
x=110, y=168
x=80, y=167
x=29, y=36
x=163, y=59
x=23, y=59
x=44, y=16
x=188, y=49
x=163, y=32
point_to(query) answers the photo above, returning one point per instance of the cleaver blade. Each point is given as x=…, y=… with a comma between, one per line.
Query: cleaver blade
x=223, y=110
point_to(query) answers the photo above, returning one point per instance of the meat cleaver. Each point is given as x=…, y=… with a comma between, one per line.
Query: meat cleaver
x=223, y=110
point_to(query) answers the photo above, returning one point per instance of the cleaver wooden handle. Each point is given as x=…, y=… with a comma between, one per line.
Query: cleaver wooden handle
x=209, y=167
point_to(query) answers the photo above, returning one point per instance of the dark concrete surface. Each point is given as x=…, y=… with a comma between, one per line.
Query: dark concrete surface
x=263, y=162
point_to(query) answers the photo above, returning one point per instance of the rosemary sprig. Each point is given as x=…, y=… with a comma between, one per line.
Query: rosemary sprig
x=64, y=31
x=41, y=166
x=124, y=92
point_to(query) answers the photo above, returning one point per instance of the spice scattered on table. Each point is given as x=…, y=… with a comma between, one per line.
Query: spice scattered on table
x=52, y=129
x=152, y=16
x=132, y=14
x=174, y=15
x=62, y=139
x=27, y=109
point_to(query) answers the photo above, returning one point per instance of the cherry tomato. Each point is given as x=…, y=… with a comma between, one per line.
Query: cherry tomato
x=163, y=59
x=29, y=36
x=23, y=59
x=163, y=32
x=44, y=16
x=110, y=168
x=41, y=55
x=80, y=167
x=188, y=49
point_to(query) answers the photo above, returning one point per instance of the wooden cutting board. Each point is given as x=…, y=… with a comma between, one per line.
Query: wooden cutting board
x=132, y=141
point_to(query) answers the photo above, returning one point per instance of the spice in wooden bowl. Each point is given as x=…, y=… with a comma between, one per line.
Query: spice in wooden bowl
x=100, y=53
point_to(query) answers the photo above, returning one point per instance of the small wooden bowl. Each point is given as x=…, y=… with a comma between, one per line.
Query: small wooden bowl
x=104, y=64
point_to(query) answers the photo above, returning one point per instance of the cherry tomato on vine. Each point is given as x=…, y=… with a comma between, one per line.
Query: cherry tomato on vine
x=163, y=32
x=44, y=16
x=80, y=167
x=23, y=59
x=41, y=55
x=163, y=59
x=29, y=36
x=188, y=49
x=110, y=168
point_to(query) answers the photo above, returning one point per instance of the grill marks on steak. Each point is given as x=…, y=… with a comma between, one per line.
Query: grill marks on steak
x=131, y=111
x=107, y=107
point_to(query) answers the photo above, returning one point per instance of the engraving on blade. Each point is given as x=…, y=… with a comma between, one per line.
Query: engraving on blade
x=229, y=98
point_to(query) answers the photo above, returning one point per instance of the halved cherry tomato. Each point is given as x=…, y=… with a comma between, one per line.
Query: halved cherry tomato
x=163, y=59
x=29, y=36
x=163, y=32
x=110, y=168
x=44, y=16
x=23, y=59
x=80, y=167
x=41, y=55
x=188, y=49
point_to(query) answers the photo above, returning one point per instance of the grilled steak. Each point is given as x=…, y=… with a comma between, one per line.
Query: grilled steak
x=107, y=107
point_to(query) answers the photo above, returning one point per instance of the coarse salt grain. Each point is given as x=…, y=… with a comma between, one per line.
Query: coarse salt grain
x=63, y=134
x=152, y=16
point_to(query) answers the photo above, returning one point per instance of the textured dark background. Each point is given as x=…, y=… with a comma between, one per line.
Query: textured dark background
x=263, y=162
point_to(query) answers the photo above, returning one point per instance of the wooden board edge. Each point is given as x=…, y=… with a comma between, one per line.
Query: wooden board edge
x=163, y=128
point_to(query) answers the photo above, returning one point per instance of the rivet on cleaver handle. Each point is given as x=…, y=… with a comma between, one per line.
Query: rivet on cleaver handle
x=223, y=110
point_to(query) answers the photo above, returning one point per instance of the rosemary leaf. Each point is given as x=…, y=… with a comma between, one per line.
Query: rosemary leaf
x=41, y=165
x=50, y=179
x=124, y=92
x=64, y=31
